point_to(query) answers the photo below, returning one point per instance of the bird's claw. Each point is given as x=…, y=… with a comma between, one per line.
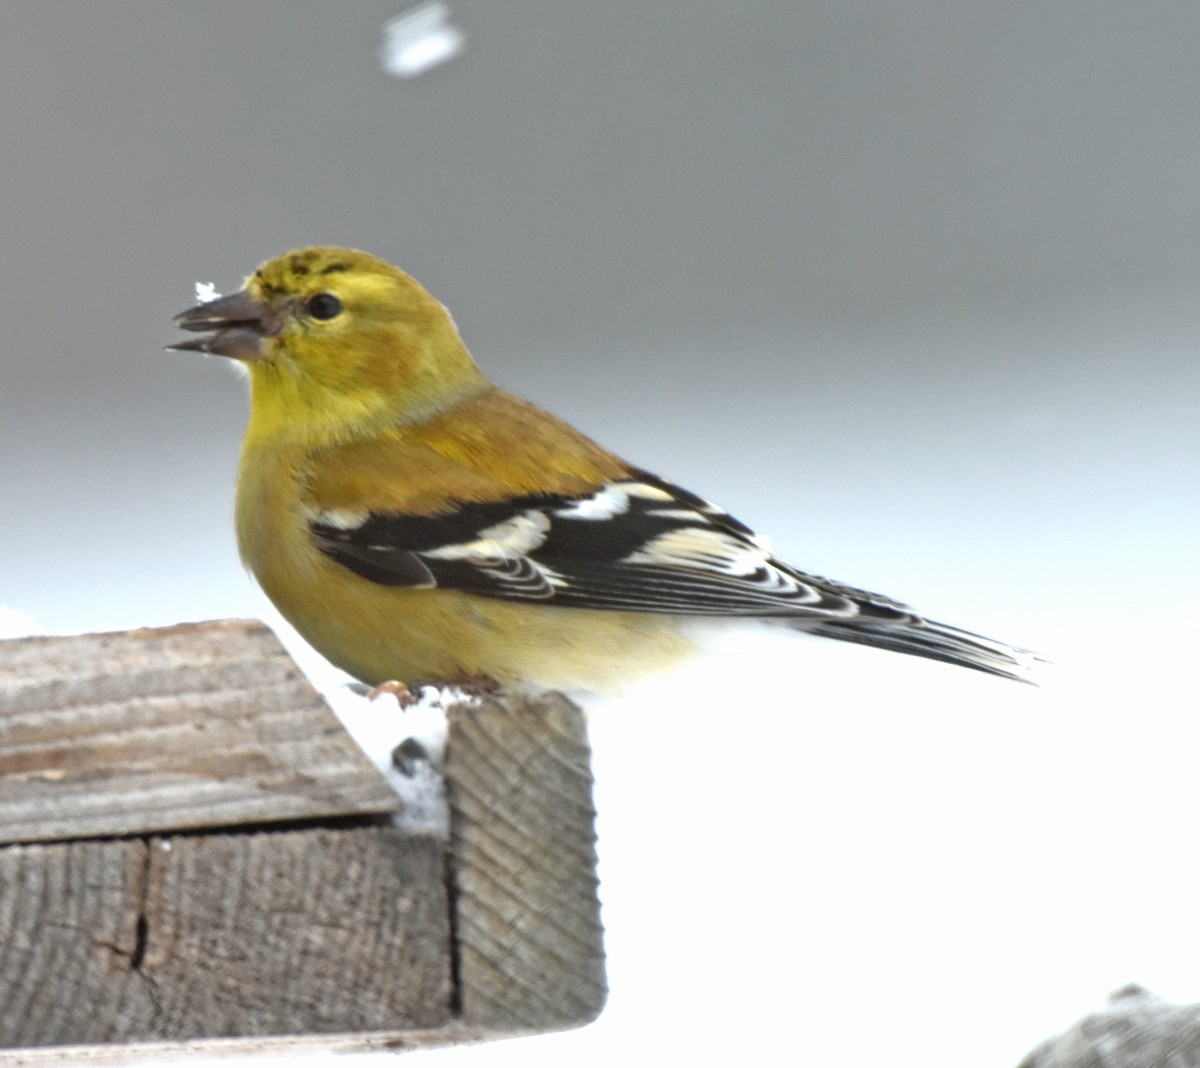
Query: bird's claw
x=406, y=696
x=476, y=685
x=403, y=694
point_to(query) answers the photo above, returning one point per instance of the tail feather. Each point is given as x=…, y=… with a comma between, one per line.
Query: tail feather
x=936, y=641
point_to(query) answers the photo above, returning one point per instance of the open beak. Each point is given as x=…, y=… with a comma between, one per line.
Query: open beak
x=240, y=327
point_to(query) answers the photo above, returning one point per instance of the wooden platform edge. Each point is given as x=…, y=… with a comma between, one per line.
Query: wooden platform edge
x=110, y=1055
x=524, y=943
x=157, y=730
x=527, y=928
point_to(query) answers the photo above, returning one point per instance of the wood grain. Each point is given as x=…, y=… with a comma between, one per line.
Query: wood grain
x=267, y=933
x=68, y=932
x=523, y=845
x=151, y=890
x=199, y=725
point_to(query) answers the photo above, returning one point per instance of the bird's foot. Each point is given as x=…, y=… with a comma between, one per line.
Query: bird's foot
x=403, y=694
x=406, y=696
x=475, y=685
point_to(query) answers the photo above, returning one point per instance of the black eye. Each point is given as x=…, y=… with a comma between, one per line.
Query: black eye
x=323, y=306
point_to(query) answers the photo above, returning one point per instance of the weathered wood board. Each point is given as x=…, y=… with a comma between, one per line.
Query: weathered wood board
x=204, y=936
x=192, y=848
x=531, y=948
x=198, y=725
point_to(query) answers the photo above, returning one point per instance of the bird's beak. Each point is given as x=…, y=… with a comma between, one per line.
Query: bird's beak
x=241, y=326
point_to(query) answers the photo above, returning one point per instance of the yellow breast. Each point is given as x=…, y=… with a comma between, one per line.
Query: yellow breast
x=378, y=633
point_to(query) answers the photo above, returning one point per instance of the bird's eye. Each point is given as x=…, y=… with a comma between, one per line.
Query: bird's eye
x=323, y=306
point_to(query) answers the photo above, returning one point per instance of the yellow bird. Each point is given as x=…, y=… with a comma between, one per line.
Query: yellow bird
x=416, y=522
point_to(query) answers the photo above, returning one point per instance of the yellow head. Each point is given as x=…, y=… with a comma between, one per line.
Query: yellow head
x=336, y=341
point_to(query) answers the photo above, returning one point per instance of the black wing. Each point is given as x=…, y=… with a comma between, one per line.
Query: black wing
x=641, y=545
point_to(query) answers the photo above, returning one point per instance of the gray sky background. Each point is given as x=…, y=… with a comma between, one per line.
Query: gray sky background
x=909, y=287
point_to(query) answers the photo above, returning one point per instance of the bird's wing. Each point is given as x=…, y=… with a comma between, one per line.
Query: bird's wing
x=639, y=544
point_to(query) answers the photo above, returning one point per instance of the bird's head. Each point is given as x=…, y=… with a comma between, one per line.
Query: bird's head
x=335, y=337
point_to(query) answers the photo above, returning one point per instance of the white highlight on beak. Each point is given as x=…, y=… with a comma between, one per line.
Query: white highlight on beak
x=206, y=293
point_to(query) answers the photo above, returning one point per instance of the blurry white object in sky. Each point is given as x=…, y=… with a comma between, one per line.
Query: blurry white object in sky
x=420, y=39
x=15, y=623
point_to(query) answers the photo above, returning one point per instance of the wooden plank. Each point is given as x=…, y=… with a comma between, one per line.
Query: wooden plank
x=68, y=917
x=354, y=930
x=198, y=725
x=523, y=845
x=269, y=933
x=156, y=1054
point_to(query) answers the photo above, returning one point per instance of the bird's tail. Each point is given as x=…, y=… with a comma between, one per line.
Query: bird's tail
x=936, y=641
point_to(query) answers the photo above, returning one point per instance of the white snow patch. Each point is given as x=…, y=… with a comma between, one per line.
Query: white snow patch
x=380, y=727
x=17, y=623
x=406, y=745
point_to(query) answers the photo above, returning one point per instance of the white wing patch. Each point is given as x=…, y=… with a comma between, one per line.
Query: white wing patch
x=715, y=551
x=604, y=504
x=702, y=547
x=686, y=515
x=512, y=538
x=502, y=552
x=610, y=501
x=337, y=518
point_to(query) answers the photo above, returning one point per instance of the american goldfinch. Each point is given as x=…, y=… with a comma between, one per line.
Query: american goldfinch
x=415, y=522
